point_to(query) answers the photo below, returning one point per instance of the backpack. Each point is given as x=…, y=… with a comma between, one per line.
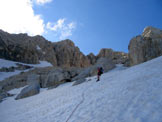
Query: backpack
x=101, y=70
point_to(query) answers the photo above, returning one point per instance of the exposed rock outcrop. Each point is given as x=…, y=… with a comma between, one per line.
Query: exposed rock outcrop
x=48, y=77
x=33, y=87
x=68, y=55
x=15, y=81
x=55, y=77
x=115, y=56
x=92, y=58
x=146, y=46
x=26, y=49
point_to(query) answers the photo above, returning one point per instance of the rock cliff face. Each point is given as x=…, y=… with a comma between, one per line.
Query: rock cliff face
x=26, y=49
x=146, y=46
x=68, y=55
x=116, y=57
x=92, y=58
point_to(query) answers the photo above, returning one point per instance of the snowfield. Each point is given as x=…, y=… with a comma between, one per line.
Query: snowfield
x=8, y=63
x=123, y=95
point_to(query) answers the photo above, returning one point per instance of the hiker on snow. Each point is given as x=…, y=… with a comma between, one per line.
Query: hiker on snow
x=100, y=71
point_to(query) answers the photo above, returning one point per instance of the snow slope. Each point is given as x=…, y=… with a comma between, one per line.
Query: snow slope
x=8, y=63
x=127, y=95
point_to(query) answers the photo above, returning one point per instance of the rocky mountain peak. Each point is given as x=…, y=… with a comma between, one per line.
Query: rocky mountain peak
x=105, y=52
x=146, y=46
x=152, y=32
x=23, y=48
x=65, y=43
x=68, y=55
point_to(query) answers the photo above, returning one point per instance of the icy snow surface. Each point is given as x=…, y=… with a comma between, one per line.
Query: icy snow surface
x=128, y=95
x=7, y=63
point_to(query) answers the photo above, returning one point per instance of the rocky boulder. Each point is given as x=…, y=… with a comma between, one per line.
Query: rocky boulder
x=28, y=91
x=33, y=87
x=33, y=79
x=146, y=46
x=47, y=77
x=55, y=77
x=15, y=81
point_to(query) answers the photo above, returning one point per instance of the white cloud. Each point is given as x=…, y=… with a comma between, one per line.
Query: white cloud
x=56, y=26
x=17, y=16
x=43, y=1
x=62, y=28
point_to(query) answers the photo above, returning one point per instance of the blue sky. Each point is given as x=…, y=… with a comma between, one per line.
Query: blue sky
x=93, y=24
